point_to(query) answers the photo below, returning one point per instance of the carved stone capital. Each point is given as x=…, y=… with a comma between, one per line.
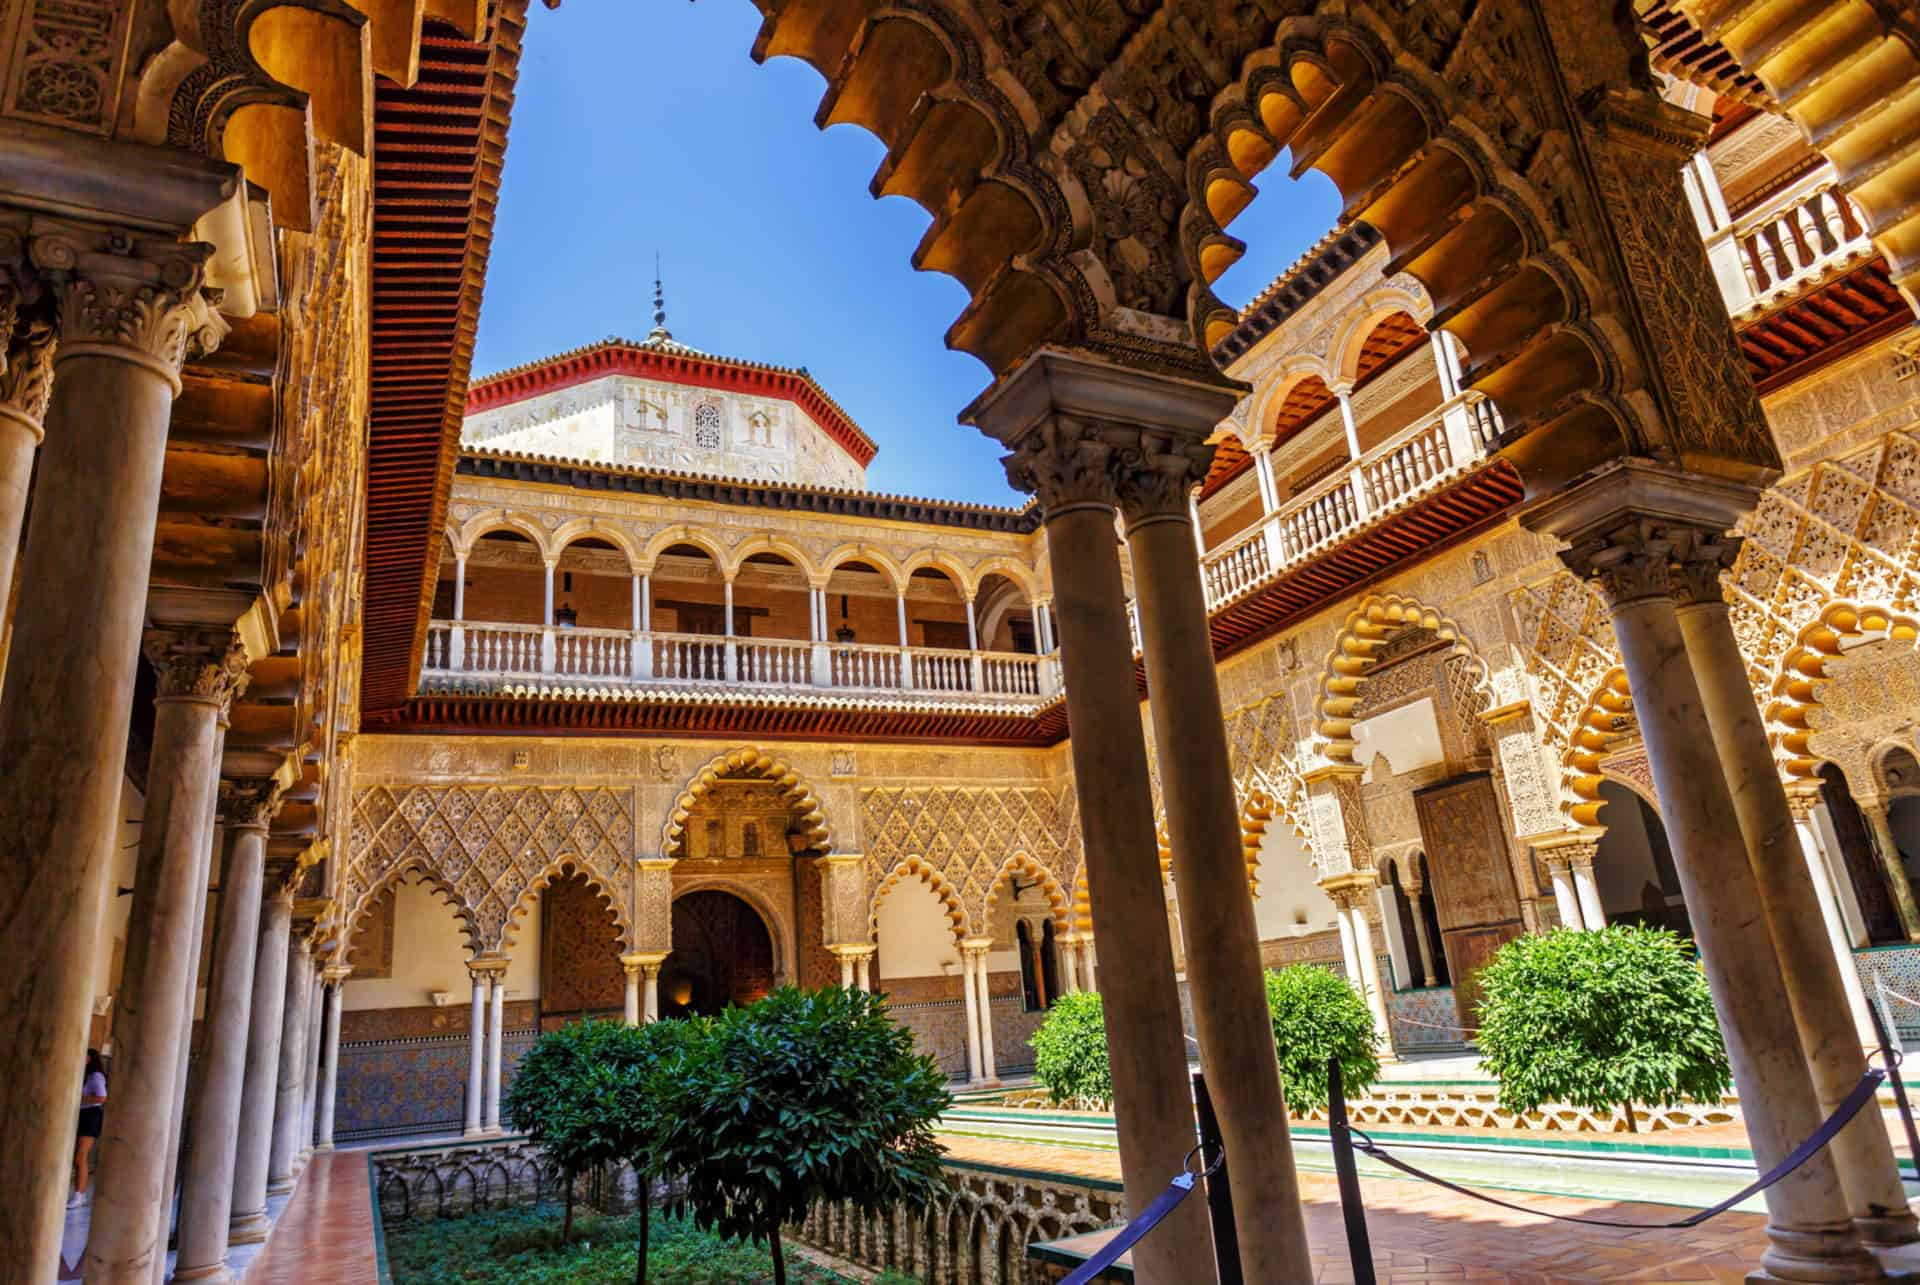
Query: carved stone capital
x=1350, y=891
x=1699, y=558
x=1803, y=796
x=129, y=296
x=26, y=364
x=1631, y=561
x=1155, y=473
x=207, y=665
x=249, y=804
x=1576, y=851
x=1067, y=464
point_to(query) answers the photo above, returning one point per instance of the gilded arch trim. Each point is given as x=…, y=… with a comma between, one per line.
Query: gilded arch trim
x=748, y=762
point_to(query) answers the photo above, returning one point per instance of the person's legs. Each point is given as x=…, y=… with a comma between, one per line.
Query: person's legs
x=82, y=1162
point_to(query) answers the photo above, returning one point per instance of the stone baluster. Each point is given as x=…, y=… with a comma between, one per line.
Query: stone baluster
x=1050, y=412
x=206, y=1196
x=252, y=1156
x=1861, y=1152
x=290, y=1096
x=129, y=307
x=199, y=672
x=1810, y=1235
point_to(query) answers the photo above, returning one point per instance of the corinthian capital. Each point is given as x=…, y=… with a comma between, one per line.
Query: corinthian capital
x=128, y=296
x=1066, y=463
x=1699, y=557
x=1631, y=561
x=1155, y=473
x=197, y=664
x=249, y=804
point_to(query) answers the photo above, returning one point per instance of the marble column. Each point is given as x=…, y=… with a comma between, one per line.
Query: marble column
x=249, y=1222
x=206, y=1192
x=1068, y=948
x=1041, y=411
x=1413, y=887
x=26, y=382
x=335, y=976
x=970, y=987
x=198, y=674
x=184, y=1066
x=1565, y=899
x=650, y=992
x=477, y=1054
x=1087, y=980
x=290, y=1093
x=1803, y=797
x=1892, y=868
x=128, y=305
x=1810, y=1235
x=975, y=953
x=1585, y=887
x=316, y=1033
x=846, y=969
x=1370, y=969
x=1862, y=1151
x=496, y=1031
x=1224, y=974
x=863, y=970
x=1349, y=950
x=631, y=968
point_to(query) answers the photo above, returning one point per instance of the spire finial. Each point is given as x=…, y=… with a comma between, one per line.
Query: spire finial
x=659, y=303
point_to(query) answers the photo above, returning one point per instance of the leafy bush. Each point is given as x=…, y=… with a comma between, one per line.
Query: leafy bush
x=1600, y=1019
x=1070, y=1051
x=804, y=1096
x=559, y=1099
x=1317, y=1015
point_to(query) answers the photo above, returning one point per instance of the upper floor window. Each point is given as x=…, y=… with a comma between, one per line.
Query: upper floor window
x=706, y=425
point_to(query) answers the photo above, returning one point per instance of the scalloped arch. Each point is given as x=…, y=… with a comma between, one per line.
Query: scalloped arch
x=561, y=867
x=915, y=867
x=1801, y=672
x=1344, y=674
x=749, y=762
x=1022, y=862
x=462, y=912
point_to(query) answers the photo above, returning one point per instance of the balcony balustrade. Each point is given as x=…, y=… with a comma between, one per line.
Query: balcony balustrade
x=1798, y=238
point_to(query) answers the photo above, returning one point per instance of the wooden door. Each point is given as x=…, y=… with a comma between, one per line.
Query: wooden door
x=1471, y=879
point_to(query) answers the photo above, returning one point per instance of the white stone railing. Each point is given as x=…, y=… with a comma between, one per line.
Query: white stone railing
x=1804, y=234
x=1433, y=451
x=498, y=655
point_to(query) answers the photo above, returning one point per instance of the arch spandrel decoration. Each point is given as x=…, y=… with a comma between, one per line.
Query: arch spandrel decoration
x=492, y=846
x=966, y=834
x=748, y=762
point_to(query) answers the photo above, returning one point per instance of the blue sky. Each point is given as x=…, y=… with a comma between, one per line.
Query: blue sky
x=643, y=127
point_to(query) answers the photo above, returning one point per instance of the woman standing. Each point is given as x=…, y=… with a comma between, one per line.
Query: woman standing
x=93, y=1110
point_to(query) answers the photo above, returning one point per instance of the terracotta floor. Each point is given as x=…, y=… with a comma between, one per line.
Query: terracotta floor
x=326, y=1235
x=1423, y=1234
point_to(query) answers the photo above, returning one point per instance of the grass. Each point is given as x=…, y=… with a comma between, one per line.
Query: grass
x=522, y=1247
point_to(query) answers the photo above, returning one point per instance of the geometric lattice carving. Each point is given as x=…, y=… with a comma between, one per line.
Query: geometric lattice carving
x=967, y=834
x=491, y=847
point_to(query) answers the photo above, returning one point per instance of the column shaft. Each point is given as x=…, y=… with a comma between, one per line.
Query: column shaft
x=846, y=972
x=1817, y=869
x=1861, y=1152
x=1565, y=899
x=184, y=1067
x=1425, y=943
x=1152, y=1095
x=19, y=440
x=206, y=1196
x=633, y=997
x=650, y=1000
x=862, y=972
x=1222, y=942
x=1068, y=952
x=1811, y=1237
x=329, y=1064
x=1892, y=868
x=290, y=1091
x=249, y=1222
x=476, y=1055
x=310, y=1076
x=989, y=1065
x=69, y=678
x=1370, y=970
x=1592, y=914
x=496, y=1030
x=970, y=988
x=153, y=1015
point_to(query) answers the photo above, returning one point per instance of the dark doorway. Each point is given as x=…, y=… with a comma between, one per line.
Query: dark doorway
x=722, y=954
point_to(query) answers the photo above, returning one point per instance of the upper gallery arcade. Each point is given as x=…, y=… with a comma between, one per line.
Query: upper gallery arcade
x=1538, y=550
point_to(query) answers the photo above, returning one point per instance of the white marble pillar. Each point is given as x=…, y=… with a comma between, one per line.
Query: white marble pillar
x=846, y=969
x=254, y=1151
x=310, y=1077
x=1565, y=899
x=1810, y=1234
x=1370, y=971
x=129, y=304
x=496, y=1033
x=650, y=994
x=863, y=971
x=1349, y=951
x=970, y=988
x=472, y=1127
x=459, y=587
x=989, y=1068
x=336, y=979
x=1892, y=868
x=1413, y=889
x=290, y=1091
x=1585, y=887
x=976, y=668
x=1862, y=1152
x=631, y=969
x=153, y=1014
x=1087, y=979
x=206, y=1190
x=1804, y=798
x=1068, y=950
x=548, y=653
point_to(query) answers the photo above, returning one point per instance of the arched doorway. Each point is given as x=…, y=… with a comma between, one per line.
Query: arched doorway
x=580, y=974
x=722, y=954
x=1633, y=866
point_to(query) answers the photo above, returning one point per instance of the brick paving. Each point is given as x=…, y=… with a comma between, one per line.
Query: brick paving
x=325, y=1237
x=1423, y=1235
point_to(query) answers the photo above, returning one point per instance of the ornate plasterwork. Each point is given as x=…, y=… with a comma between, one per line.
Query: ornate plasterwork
x=969, y=835
x=748, y=762
x=491, y=848
x=1369, y=627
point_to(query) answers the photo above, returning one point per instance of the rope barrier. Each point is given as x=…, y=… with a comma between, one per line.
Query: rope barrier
x=1163, y=1204
x=1849, y=1107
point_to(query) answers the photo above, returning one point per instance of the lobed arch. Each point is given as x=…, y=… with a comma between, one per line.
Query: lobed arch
x=915, y=867
x=462, y=912
x=747, y=761
x=879, y=559
x=591, y=529
x=1345, y=671
x=768, y=543
x=1606, y=717
x=560, y=867
x=480, y=525
x=1258, y=811
x=1797, y=680
x=1024, y=863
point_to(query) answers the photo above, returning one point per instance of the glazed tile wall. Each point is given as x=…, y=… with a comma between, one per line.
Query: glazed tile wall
x=411, y=1087
x=1898, y=968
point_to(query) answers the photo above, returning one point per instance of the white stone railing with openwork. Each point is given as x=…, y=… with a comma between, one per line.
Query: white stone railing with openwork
x=1418, y=460
x=1798, y=238
x=506, y=655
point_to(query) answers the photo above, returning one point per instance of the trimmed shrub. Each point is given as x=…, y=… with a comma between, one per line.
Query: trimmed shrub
x=1070, y=1052
x=1317, y=1014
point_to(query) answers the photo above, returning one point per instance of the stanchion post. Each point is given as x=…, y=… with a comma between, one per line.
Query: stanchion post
x=1226, y=1240
x=1883, y=1030
x=1359, y=1246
